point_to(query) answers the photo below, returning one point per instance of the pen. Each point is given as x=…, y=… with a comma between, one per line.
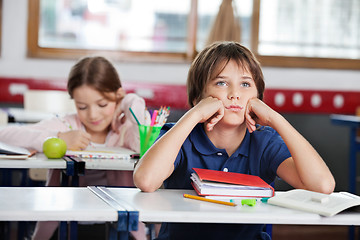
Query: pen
x=209, y=200
x=153, y=118
x=134, y=116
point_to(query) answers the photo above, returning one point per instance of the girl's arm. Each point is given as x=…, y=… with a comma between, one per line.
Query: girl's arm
x=31, y=135
x=157, y=164
x=305, y=169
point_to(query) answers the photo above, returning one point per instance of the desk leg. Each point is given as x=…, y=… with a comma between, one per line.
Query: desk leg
x=63, y=230
x=352, y=172
x=352, y=163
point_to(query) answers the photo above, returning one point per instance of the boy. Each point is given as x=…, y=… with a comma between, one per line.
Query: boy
x=228, y=128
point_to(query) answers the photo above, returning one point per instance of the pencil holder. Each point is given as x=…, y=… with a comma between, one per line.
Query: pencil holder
x=148, y=135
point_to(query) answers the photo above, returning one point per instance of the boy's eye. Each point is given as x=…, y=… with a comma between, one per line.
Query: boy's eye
x=81, y=107
x=221, y=83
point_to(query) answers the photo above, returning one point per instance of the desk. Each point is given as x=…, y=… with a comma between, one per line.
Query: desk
x=39, y=160
x=353, y=122
x=110, y=164
x=61, y=204
x=27, y=116
x=165, y=205
x=127, y=206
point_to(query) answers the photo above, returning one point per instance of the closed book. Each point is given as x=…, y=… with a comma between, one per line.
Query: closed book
x=212, y=182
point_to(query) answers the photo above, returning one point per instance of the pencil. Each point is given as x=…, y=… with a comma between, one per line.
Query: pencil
x=209, y=200
x=134, y=116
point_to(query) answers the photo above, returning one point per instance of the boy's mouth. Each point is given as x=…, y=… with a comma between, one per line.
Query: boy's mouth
x=234, y=108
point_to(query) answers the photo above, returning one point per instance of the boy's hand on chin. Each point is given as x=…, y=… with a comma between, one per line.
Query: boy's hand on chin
x=257, y=112
x=211, y=111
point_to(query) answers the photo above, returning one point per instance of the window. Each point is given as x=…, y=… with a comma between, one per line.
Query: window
x=131, y=29
x=311, y=32
x=284, y=33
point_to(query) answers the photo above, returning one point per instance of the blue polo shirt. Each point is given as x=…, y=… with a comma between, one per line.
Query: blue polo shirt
x=260, y=154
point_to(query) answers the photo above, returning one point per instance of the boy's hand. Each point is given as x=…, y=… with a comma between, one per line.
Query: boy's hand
x=257, y=112
x=211, y=111
x=75, y=139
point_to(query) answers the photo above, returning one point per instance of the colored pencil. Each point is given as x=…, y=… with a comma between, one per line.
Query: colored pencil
x=209, y=200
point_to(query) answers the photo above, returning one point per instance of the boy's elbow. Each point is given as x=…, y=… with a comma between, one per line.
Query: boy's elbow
x=144, y=184
x=327, y=186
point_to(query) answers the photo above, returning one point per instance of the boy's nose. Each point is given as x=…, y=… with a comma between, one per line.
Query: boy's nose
x=233, y=95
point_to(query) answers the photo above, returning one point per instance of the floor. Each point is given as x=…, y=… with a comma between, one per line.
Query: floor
x=293, y=232
x=297, y=232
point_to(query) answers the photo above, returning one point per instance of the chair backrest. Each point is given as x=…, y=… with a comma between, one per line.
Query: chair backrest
x=58, y=102
x=45, y=101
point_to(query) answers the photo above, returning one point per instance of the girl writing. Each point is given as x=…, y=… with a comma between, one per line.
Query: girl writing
x=102, y=119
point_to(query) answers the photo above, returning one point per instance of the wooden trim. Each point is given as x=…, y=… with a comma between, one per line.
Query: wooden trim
x=303, y=62
x=192, y=30
x=1, y=24
x=255, y=26
x=33, y=28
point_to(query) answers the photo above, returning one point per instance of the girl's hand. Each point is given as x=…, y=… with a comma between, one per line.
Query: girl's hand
x=257, y=112
x=211, y=111
x=75, y=139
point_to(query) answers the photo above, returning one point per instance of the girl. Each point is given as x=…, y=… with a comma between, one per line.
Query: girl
x=95, y=86
x=222, y=132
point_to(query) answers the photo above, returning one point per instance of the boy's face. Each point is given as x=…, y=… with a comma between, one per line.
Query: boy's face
x=234, y=86
x=94, y=110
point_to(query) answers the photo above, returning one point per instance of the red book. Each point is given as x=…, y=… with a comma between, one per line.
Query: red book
x=212, y=182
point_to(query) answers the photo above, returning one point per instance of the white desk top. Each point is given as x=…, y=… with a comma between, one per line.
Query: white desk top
x=53, y=204
x=170, y=206
x=110, y=164
x=39, y=160
x=22, y=115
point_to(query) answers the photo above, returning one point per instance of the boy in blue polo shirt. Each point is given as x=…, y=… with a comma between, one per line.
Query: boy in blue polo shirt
x=228, y=128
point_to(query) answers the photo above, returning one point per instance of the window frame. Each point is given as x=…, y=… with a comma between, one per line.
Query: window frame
x=295, y=62
x=1, y=4
x=35, y=51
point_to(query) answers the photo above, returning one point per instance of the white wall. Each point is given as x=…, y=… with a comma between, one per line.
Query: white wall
x=14, y=63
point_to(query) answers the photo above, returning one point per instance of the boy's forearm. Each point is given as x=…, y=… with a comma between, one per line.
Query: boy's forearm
x=158, y=162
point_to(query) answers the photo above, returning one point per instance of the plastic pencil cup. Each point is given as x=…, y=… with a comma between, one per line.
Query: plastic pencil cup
x=148, y=135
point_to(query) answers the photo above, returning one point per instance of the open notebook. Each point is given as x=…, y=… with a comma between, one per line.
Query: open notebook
x=323, y=204
x=103, y=153
x=8, y=151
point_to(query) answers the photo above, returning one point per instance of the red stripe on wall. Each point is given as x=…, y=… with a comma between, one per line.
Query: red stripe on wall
x=175, y=96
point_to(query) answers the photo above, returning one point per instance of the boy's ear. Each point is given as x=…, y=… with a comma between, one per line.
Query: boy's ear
x=120, y=93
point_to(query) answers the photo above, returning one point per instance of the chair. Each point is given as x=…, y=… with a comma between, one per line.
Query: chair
x=46, y=101
x=57, y=102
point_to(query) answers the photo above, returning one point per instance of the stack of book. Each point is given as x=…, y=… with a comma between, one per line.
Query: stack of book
x=228, y=185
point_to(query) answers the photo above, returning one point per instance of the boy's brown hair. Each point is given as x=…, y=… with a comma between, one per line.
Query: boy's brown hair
x=210, y=62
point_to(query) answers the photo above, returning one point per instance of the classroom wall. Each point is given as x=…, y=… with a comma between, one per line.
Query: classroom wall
x=329, y=140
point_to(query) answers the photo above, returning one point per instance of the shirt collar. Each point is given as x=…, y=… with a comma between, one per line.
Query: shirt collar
x=204, y=146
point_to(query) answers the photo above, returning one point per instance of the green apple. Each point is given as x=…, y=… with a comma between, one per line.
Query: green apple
x=54, y=147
